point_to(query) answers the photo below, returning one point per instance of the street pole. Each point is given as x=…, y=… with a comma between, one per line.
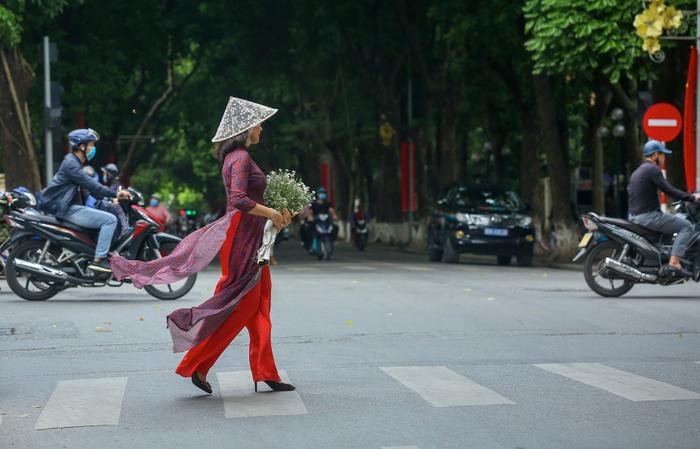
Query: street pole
x=411, y=152
x=47, y=111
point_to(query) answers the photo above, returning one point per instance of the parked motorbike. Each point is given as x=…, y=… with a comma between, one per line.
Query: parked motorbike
x=51, y=255
x=619, y=254
x=360, y=232
x=17, y=200
x=323, y=243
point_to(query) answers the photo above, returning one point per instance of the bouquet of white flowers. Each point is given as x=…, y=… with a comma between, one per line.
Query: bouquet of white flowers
x=284, y=191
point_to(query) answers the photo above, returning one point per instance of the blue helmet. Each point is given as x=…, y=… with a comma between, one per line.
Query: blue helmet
x=80, y=136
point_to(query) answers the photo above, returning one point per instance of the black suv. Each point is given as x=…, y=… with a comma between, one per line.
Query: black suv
x=480, y=220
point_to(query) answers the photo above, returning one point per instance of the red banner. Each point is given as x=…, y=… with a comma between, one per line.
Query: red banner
x=408, y=177
x=689, y=150
x=326, y=181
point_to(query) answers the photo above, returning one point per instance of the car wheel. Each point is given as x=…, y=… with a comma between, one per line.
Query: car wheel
x=449, y=255
x=504, y=260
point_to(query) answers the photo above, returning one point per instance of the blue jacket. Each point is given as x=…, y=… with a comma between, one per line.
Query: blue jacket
x=58, y=196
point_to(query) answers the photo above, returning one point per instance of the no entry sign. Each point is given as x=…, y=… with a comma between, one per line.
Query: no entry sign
x=663, y=122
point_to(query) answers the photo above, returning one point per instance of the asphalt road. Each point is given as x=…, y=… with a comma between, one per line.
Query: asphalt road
x=386, y=350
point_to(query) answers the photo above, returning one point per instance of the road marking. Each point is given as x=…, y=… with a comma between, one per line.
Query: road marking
x=301, y=269
x=359, y=268
x=442, y=387
x=84, y=402
x=241, y=401
x=400, y=447
x=402, y=266
x=417, y=268
x=672, y=123
x=629, y=386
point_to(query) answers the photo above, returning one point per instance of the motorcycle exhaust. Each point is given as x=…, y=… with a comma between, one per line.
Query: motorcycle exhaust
x=44, y=272
x=628, y=271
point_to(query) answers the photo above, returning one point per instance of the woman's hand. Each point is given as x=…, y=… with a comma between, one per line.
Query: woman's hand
x=277, y=219
x=287, y=217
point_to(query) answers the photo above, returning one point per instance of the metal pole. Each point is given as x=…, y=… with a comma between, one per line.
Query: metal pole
x=409, y=110
x=47, y=111
x=697, y=98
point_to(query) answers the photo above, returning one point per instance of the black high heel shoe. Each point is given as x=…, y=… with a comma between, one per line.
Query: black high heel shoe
x=201, y=385
x=277, y=386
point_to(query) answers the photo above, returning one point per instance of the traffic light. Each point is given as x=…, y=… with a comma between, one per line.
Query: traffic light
x=191, y=212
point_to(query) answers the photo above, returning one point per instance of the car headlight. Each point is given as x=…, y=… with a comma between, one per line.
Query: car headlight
x=525, y=221
x=464, y=218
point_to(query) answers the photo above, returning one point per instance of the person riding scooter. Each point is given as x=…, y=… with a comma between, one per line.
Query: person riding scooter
x=645, y=210
x=322, y=206
x=63, y=198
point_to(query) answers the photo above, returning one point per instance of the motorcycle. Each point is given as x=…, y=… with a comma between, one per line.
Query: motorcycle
x=620, y=254
x=18, y=199
x=360, y=232
x=323, y=242
x=51, y=255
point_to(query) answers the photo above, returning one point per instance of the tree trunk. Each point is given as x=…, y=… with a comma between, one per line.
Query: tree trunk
x=556, y=166
x=595, y=119
x=446, y=135
x=19, y=157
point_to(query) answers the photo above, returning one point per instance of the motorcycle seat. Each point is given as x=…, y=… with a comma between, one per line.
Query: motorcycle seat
x=50, y=219
x=648, y=234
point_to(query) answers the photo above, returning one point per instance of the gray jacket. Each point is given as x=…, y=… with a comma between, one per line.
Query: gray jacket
x=58, y=196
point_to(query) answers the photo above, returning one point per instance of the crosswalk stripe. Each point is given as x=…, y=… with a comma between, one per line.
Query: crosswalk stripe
x=629, y=386
x=241, y=401
x=442, y=387
x=84, y=402
x=400, y=447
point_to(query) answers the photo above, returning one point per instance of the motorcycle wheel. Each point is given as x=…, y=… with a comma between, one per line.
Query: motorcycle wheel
x=20, y=282
x=167, y=292
x=591, y=271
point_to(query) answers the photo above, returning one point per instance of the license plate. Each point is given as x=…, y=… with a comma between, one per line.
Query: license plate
x=585, y=240
x=496, y=232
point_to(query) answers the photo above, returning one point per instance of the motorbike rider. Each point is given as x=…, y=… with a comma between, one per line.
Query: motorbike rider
x=323, y=206
x=63, y=198
x=110, y=177
x=644, y=207
x=157, y=209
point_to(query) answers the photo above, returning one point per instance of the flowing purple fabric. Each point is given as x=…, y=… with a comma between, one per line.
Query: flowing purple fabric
x=238, y=231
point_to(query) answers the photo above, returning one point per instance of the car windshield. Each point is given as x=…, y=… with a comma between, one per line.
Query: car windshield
x=470, y=200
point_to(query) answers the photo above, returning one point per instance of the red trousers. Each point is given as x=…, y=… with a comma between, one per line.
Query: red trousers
x=253, y=312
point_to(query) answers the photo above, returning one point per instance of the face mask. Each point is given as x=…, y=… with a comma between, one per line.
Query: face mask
x=91, y=153
x=154, y=203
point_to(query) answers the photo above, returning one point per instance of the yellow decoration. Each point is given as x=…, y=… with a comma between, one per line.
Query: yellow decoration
x=651, y=23
x=386, y=131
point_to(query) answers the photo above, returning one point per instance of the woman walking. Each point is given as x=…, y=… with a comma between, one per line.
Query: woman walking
x=242, y=295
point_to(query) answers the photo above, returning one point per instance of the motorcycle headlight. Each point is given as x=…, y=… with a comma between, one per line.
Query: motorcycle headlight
x=464, y=218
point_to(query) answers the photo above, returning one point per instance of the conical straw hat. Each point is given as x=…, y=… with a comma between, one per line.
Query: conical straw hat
x=241, y=115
